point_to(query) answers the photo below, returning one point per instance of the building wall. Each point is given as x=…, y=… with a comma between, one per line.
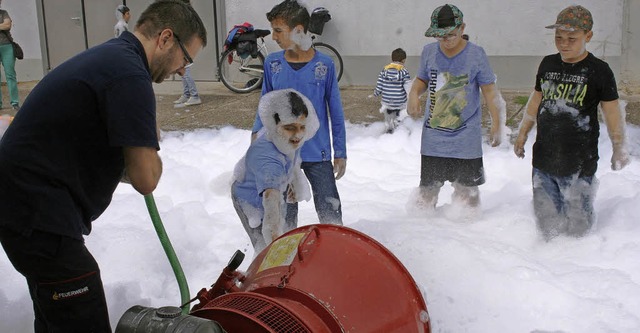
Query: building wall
x=365, y=31
x=630, y=63
x=511, y=32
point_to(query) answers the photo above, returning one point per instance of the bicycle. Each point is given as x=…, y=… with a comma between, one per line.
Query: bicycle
x=240, y=67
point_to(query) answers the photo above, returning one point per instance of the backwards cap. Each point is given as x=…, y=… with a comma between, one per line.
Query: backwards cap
x=573, y=18
x=443, y=20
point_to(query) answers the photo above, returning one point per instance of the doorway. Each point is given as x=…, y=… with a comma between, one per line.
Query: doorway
x=72, y=26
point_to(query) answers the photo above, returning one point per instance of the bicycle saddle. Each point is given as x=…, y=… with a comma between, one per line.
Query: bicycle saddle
x=261, y=33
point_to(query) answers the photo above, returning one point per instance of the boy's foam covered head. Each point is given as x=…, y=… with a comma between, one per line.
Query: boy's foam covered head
x=281, y=107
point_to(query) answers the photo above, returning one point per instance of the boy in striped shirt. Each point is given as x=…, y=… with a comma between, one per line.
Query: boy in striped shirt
x=391, y=85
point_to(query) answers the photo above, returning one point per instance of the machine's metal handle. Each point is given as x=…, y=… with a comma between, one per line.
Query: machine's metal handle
x=304, y=240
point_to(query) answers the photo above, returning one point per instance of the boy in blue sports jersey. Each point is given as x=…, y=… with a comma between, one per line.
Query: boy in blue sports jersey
x=454, y=71
x=270, y=170
x=311, y=73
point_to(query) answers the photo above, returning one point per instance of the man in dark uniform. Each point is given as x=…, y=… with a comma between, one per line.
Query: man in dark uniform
x=88, y=124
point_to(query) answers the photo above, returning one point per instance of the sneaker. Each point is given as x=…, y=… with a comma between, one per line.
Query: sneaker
x=16, y=107
x=181, y=100
x=193, y=101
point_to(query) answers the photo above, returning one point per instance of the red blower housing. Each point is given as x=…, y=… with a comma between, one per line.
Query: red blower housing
x=318, y=278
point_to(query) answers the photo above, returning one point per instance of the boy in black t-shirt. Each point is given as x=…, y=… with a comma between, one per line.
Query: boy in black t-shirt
x=569, y=87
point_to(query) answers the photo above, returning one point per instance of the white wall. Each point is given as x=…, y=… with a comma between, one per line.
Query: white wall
x=502, y=27
x=365, y=31
x=630, y=74
x=511, y=31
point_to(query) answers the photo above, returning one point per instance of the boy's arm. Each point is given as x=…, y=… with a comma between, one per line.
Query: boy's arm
x=273, y=221
x=378, y=90
x=614, y=120
x=338, y=131
x=528, y=120
x=417, y=88
x=493, y=99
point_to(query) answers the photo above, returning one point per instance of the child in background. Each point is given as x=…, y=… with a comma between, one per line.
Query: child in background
x=454, y=71
x=568, y=89
x=123, y=14
x=391, y=85
x=270, y=170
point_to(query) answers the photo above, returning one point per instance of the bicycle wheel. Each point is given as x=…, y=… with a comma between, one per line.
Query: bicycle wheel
x=238, y=74
x=333, y=53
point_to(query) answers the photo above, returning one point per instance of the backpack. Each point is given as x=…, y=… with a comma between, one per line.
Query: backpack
x=235, y=32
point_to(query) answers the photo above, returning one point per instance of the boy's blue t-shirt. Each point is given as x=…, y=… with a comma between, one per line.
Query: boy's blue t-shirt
x=265, y=167
x=317, y=81
x=452, y=123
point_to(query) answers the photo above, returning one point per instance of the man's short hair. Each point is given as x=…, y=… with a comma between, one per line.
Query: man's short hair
x=291, y=12
x=178, y=16
x=398, y=55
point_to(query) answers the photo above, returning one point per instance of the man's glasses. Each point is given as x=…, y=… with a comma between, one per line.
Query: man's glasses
x=187, y=58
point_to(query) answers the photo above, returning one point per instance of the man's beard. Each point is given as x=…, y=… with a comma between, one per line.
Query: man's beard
x=159, y=67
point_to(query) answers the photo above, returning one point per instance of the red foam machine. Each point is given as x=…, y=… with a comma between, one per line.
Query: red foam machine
x=318, y=278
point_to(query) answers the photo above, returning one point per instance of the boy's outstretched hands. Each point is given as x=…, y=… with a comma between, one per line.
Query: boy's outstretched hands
x=339, y=167
x=619, y=158
x=413, y=106
x=614, y=118
x=495, y=134
x=518, y=146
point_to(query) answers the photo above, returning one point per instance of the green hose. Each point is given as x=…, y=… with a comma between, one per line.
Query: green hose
x=168, y=249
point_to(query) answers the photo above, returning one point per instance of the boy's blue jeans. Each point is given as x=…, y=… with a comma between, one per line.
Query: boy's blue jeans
x=8, y=64
x=563, y=205
x=188, y=85
x=325, y=195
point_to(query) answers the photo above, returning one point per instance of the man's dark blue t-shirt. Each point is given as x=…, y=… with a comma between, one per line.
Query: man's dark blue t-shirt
x=61, y=159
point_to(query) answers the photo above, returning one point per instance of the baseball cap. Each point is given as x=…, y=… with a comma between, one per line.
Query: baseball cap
x=443, y=20
x=573, y=18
